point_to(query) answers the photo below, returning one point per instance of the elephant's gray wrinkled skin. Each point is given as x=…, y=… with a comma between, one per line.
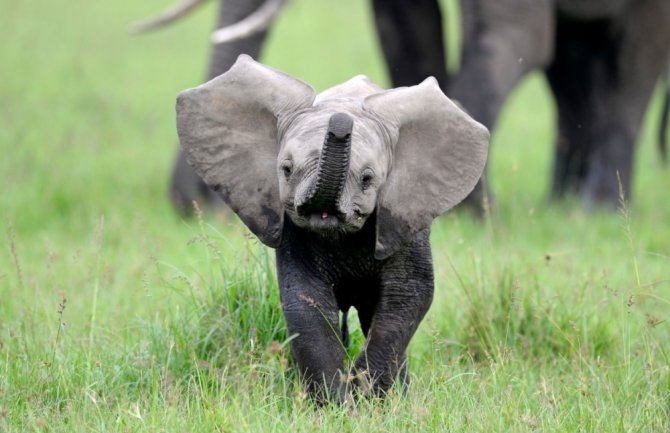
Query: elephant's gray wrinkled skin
x=602, y=59
x=345, y=186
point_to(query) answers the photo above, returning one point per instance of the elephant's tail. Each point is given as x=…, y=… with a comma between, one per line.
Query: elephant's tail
x=663, y=128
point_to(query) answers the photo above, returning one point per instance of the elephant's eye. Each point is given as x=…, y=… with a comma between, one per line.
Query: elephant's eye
x=367, y=178
x=287, y=169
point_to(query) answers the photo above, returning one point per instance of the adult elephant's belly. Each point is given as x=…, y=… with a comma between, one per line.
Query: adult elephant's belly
x=591, y=9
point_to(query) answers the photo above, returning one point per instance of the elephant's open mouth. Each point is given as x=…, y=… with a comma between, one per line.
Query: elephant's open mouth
x=327, y=223
x=320, y=221
x=324, y=220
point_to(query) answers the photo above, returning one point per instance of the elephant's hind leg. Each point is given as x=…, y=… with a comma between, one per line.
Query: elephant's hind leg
x=579, y=76
x=603, y=77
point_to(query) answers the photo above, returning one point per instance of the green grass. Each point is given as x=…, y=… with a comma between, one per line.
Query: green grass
x=115, y=315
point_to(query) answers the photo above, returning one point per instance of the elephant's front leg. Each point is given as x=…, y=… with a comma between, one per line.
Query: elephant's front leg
x=312, y=315
x=406, y=294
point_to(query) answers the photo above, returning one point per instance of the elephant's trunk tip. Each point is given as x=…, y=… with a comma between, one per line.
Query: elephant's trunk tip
x=340, y=126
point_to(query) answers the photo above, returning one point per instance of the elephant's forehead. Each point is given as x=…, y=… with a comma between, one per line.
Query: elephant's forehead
x=308, y=130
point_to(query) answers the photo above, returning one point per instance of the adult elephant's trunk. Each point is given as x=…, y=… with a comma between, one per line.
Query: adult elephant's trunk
x=331, y=175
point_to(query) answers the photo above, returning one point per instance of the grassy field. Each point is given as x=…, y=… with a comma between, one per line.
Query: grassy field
x=116, y=315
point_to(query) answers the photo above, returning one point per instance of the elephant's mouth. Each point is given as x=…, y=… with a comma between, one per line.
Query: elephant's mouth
x=328, y=222
x=324, y=220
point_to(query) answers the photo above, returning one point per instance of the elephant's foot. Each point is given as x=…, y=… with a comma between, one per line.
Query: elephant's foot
x=376, y=381
x=598, y=188
x=609, y=191
x=608, y=181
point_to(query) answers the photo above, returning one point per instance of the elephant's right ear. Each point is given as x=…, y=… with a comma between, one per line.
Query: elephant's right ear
x=228, y=129
x=438, y=158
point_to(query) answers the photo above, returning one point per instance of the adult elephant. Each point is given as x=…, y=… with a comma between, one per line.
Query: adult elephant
x=602, y=59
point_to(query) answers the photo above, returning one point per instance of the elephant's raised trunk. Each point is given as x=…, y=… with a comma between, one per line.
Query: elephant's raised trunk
x=333, y=167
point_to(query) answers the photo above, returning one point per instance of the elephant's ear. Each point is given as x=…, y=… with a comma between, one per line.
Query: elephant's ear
x=438, y=158
x=228, y=129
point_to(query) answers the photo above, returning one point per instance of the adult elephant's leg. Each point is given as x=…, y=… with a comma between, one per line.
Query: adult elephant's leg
x=411, y=37
x=645, y=48
x=185, y=185
x=579, y=76
x=502, y=41
x=604, y=75
x=405, y=296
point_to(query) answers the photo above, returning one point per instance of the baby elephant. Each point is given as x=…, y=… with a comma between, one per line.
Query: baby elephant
x=345, y=185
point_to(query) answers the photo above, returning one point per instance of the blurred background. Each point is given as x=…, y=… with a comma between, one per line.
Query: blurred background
x=88, y=141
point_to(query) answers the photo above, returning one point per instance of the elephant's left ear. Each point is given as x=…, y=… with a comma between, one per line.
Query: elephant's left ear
x=228, y=128
x=438, y=159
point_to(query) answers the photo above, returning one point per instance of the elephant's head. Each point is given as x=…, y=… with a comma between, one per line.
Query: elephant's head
x=271, y=148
